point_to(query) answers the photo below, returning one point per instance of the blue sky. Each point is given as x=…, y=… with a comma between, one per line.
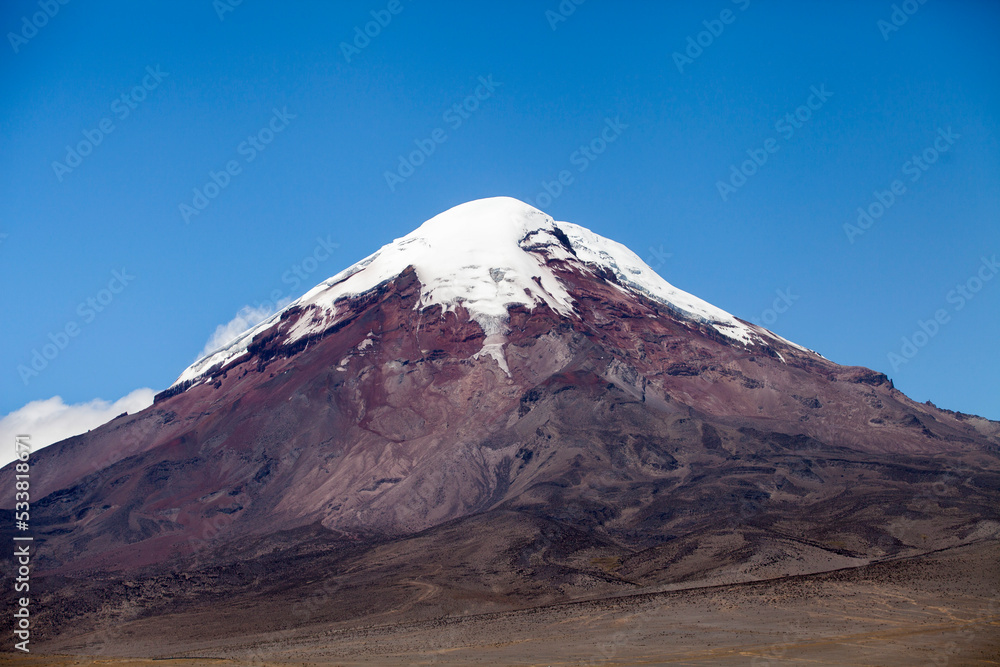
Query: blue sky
x=164, y=96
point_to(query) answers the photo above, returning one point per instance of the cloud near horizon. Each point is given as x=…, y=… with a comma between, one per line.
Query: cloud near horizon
x=51, y=420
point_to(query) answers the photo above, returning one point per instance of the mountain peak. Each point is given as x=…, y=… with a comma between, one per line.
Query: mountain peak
x=487, y=255
x=494, y=215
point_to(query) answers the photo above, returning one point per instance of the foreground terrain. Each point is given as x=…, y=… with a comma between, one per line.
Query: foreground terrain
x=937, y=609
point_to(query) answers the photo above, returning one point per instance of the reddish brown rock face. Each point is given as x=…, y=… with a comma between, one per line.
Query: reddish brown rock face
x=390, y=423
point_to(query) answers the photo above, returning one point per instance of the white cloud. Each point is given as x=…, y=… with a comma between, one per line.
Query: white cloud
x=51, y=420
x=247, y=318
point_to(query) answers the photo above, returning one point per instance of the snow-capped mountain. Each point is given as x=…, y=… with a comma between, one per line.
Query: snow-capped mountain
x=496, y=408
x=487, y=255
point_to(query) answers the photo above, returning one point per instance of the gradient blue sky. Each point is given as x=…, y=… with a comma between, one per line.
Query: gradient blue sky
x=654, y=188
